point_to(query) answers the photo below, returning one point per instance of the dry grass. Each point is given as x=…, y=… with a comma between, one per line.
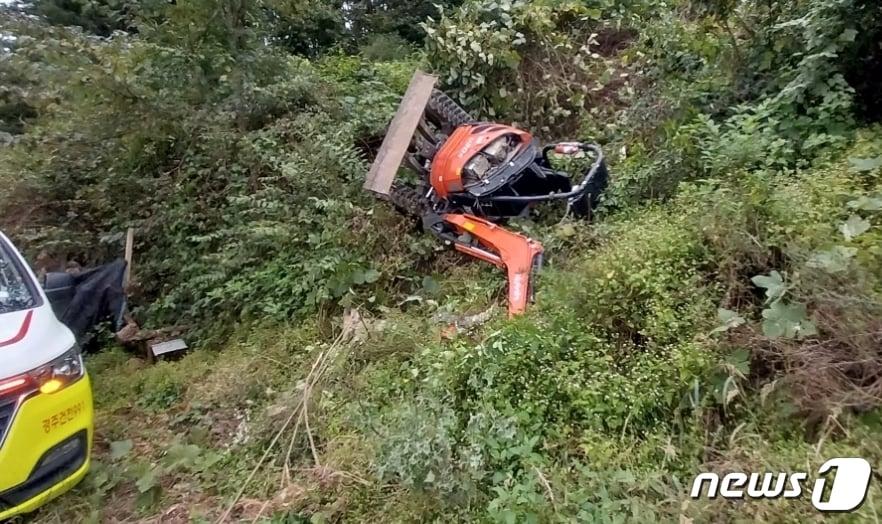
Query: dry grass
x=841, y=368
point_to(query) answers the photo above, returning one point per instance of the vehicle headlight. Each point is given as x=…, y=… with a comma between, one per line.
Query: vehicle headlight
x=60, y=373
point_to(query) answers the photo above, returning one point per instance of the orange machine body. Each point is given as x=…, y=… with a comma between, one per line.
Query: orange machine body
x=510, y=251
x=462, y=145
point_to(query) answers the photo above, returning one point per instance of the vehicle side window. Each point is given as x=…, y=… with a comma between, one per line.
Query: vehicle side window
x=16, y=291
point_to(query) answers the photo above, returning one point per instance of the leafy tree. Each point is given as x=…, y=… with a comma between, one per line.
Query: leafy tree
x=306, y=27
x=400, y=17
x=100, y=17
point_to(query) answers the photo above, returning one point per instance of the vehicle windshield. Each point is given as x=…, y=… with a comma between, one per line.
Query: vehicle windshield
x=15, y=290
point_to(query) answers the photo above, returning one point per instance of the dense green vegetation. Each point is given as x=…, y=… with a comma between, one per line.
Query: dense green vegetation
x=722, y=313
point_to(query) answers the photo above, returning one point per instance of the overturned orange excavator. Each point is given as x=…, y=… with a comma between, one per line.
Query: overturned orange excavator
x=474, y=175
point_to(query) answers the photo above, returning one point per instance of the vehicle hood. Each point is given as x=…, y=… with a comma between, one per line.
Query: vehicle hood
x=31, y=338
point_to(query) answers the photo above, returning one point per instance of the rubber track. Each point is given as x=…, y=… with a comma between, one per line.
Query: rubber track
x=408, y=200
x=447, y=110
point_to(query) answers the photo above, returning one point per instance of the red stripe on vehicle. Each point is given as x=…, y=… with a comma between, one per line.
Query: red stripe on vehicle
x=22, y=331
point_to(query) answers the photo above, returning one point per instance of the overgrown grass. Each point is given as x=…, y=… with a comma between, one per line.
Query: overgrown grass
x=601, y=404
x=722, y=315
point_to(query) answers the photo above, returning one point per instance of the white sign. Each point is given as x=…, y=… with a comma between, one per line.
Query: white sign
x=848, y=490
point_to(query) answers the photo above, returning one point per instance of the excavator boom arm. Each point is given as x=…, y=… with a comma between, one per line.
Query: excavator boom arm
x=505, y=249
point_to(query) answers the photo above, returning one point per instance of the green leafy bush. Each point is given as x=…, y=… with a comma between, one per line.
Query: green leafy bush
x=722, y=313
x=244, y=186
x=535, y=62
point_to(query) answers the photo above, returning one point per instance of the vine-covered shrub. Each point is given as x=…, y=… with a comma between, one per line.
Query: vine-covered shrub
x=539, y=63
x=244, y=187
x=743, y=86
x=720, y=314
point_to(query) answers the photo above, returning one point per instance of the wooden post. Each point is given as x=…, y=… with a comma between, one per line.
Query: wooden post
x=130, y=248
x=130, y=332
x=401, y=130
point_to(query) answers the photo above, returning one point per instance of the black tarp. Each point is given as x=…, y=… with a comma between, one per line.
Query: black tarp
x=98, y=295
